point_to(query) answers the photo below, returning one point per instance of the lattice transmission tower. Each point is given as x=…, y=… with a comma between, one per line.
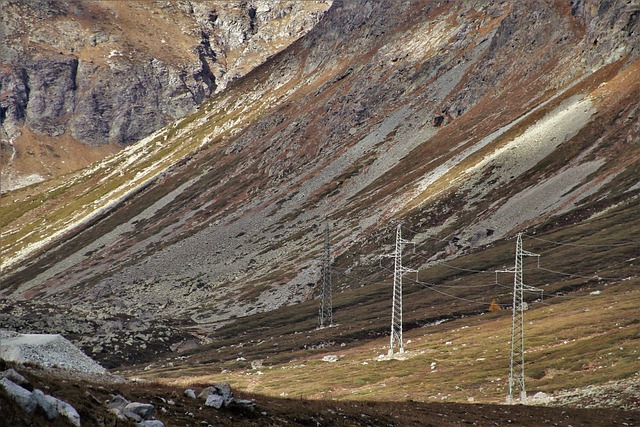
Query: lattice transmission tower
x=516, y=364
x=326, y=304
x=396, y=313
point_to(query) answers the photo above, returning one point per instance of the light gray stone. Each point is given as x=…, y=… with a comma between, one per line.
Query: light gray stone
x=23, y=397
x=215, y=401
x=118, y=402
x=12, y=375
x=66, y=410
x=47, y=403
x=150, y=423
x=143, y=410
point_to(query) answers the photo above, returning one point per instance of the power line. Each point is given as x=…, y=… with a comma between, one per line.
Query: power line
x=594, y=276
x=470, y=270
x=435, y=289
x=576, y=245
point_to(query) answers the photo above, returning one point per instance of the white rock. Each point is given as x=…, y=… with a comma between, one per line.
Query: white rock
x=68, y=411
x=118, y=402
x=14, y=377
x=22, y=396
x=214, y=401
x=47, y=403
x=143, y=410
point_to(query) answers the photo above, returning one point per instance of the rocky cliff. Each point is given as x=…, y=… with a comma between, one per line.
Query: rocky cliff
x=105, y=72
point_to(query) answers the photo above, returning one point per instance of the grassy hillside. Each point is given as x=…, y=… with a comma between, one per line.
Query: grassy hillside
x=584, y=331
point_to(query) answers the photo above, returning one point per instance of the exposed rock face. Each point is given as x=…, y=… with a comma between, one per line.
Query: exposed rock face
x=132, y=100
x=114, y=72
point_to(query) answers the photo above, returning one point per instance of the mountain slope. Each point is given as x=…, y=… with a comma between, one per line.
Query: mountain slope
x=80, y=80
x=467, y=121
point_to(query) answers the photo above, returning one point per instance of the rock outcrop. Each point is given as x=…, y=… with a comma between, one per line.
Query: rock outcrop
x=102, y=73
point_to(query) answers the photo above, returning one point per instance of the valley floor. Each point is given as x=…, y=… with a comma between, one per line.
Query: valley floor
x=173, y=408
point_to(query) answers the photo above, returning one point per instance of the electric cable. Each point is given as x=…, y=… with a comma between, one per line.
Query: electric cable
x=576, y=245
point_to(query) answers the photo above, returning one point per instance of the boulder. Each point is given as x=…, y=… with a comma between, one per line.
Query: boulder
x=47, y=403
x=224, y=390
x=117, y=402
x=133, y=417
x=68, y=411
x=215, y=401
x=118, y=413
x=23, y=397
x=150, y=423
x=207, y=392
x=142, y=410
x=245, y=404
x=14, y=377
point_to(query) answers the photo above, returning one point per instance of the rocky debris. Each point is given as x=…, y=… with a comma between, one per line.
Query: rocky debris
x=150, y=423
x=540, y=398
x=220, y=395
x=623, y=394
x=222, y=390
x=117, y=402
x=48, y=405
x=142, y=410
x=106, y=335
x=140, y=413
x=30, y=401
x=13, y=376
x=22, y=396
x=214, y=401
x=48, y=351
x=66, y=410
